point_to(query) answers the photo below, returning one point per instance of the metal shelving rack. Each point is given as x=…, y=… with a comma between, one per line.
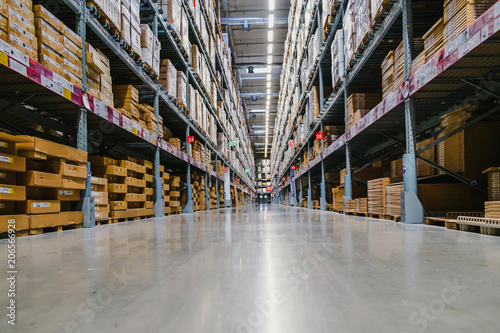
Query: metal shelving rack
x=404, y=116
x=81, y=118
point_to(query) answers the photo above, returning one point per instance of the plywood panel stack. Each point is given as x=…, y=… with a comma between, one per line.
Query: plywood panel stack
x=393, y=199
x=459, y=14
x=150, y=50
x=17, y=26
x=362, y=205
x=99, y=191
x=388, y=74
x=338, y=64
x=332, y=133
x=362, y=102
x=55, y=175
x=362, y=22
x=338, y=197
x=168, y=77
x=492, y=209
x=434, y=39
x=10, y=192
x=351, y=205
x=377, y=195
x=176, y=143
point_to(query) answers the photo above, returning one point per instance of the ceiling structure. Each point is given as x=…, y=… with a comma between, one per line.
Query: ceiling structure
x=250, y=50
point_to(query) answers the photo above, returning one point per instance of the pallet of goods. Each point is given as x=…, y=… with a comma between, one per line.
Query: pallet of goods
x=11, y=193
x=377, y=195
x=361, y=103
x=99, y=191
x=18, y=27
x=173, y=199
x=55, y=174
x=362, y=205
x=99, y=82
x=393, y=199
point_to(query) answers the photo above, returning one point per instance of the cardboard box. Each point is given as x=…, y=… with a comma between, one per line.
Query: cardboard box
x=118, y=205
x=22, y=222
x=52, y=149
x=70, y=170
x=73, y=183
x=39, y=178
x=7, y=177
x=44, y=220
x=117, y=188
x=12, y=193
x=39, y=206
x=102, y=161
x=102, y=209
x=101, y=201
x=110, y=170
x=64, y=194
x=70, y=218
x=12, y=163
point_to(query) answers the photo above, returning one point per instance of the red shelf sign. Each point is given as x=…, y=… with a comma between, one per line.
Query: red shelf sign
x=293, y=167
x=319, y=135
x=190, y=139
x=268, y=189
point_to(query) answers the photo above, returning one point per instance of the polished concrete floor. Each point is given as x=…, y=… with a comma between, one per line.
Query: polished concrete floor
x=256, y=269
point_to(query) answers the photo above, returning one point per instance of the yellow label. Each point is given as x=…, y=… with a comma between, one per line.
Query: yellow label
x=50, y=204
x=4, y=144
x=2, y=206
x=134, y=130
x=3, y=175
x=67, y=93
x=4, y=59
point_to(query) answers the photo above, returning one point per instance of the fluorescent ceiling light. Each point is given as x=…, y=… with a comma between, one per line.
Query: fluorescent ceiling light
x=269, y=68
x=269, y=91
x=268, y=77
x=268, y=103
x=271, y=4
x=269, y=59
x=270, y=36
x=260, y=132
x=268, y=97
x=259, y=70
x=257, y=111
x=269, y=84
x=271, y=20
x=270, y=48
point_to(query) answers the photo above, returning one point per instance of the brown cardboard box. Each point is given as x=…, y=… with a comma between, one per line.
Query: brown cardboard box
x=22, y=222
x=64, y=194
x=70, y=170
x=52, y=149
x=98, y=181
x=7, y=177
x=39, y=206
x=118, y=205
x=101, y=216
x=110, y=170
x=7, y=207
x=134, y=197
x=102, y=209
x=101, y=201
x=73, y=183
x=12, y=163
x=38, y=178
x=117, y=188
x=70, y=218
x=12, y=192
x=43, y=13
x=44, y=220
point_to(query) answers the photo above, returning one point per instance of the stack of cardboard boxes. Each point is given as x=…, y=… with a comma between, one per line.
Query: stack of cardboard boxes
x=99, y=82
x=377, y=195
x=126, y=100
x=168, y=77
x=173, y=200
x=11, y=194
x=150, y=49
x=17, y=26
x=393, y=199
x=358, y=105
x=130, y=31
x=99, y=191
x=55, y=175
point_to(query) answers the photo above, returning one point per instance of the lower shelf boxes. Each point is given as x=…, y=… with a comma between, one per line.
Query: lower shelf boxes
x=99, y=191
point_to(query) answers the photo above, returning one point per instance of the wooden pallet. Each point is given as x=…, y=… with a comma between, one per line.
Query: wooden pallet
x=38, y=231
x=354, y=213
x=130, y=219
x=19, y=233
x=448, y=222
x=394, y=218
x=102, y=222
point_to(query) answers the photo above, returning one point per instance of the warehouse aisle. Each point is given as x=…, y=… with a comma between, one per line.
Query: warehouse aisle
x=256, y=269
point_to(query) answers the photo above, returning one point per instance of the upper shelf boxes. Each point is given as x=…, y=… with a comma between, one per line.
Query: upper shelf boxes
x=17, y=25
x=150, y=49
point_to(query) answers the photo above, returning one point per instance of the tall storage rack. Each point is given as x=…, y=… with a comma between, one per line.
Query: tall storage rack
x=68, y=109
x=453, y=76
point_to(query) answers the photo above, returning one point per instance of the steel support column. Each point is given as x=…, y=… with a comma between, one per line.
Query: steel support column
x=217, y=182
x=207, y=191
x=411, y=208
x=189, y=189
x=87, y=202
x=309, y=189
x=348, y=176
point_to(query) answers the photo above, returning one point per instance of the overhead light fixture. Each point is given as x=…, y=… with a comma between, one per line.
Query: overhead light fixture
x=271, y=20
x=269, y=84
x=269, y=68
x=271, y=4
x=268, y=97
x=257, y=111
x=268, y=77
x=268, y=103
x=269, y=59
x=258, y=70
x=270, y=36
x=270, y=48
x=245, y=26
x=269, y=91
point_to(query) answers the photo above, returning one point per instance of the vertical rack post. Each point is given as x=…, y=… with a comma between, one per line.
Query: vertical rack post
x=87, y=202
x=411, y=208
x=348, y=176
x=322, y=199
x=300, y=191
x=217, y=181
x=189, y=195
x=159, y=204
x=309, y=189
x=207, y=191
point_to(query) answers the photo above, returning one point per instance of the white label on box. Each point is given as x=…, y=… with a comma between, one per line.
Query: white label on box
x=4, y=144
x=95, y=194
x=18, y=67
x=6, y=159
x=6, y=190
x=63, y=82
x=100, y=108
x=41, y=204
x=49, y=84
x=95, y=180
x=62, y=192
